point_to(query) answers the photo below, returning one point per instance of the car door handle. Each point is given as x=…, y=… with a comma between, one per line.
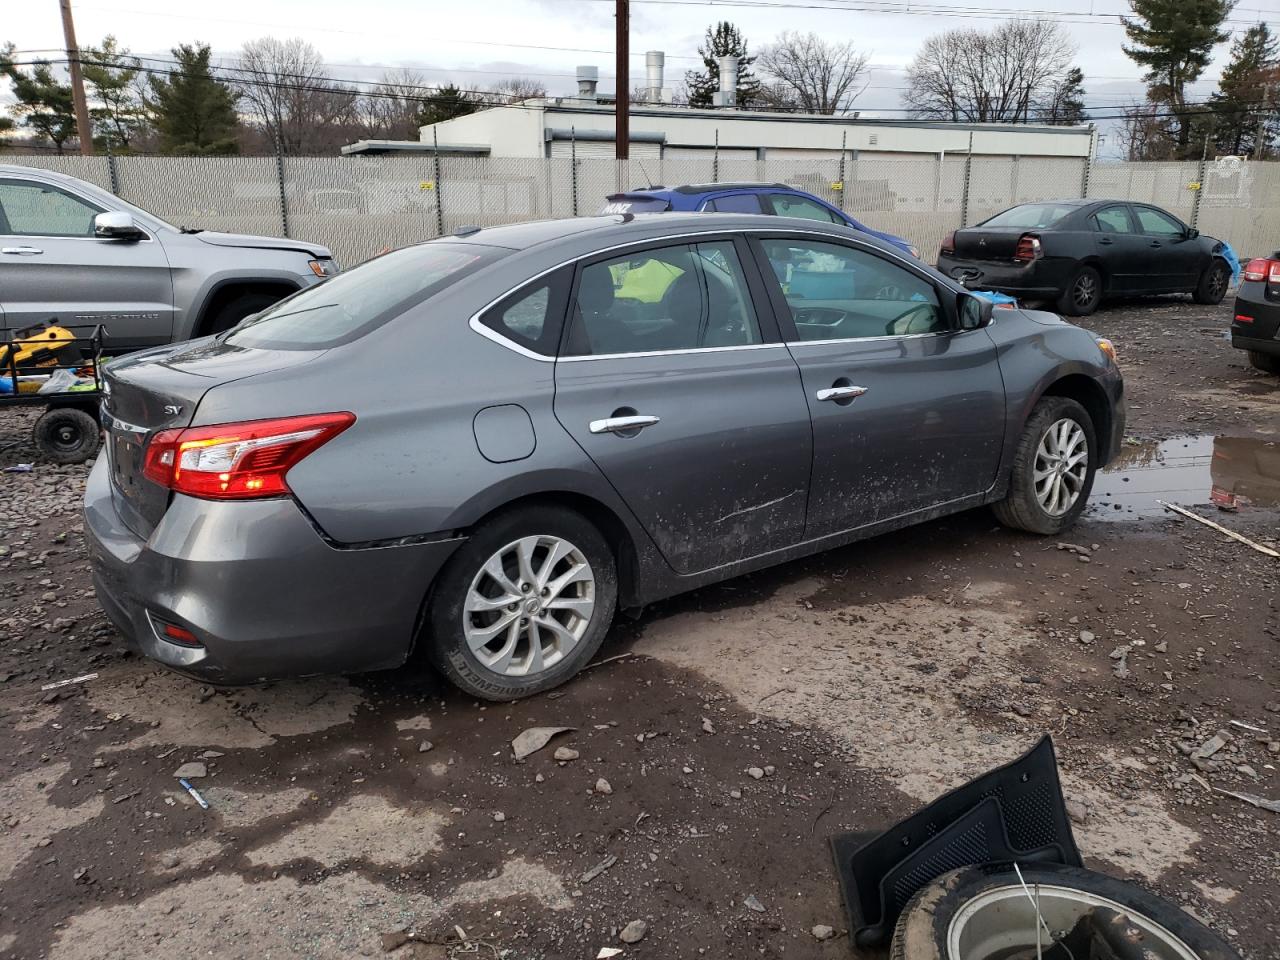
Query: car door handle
x=840, y=393
x=1106, y=241
x=1155, y=243
x=622, y=424
x=21, y=251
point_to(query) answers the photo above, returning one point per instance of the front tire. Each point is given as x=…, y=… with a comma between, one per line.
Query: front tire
x=1053, y=469
x=1265, y=362
x=524, y=604
x=1213, y=284
x=1083, y=293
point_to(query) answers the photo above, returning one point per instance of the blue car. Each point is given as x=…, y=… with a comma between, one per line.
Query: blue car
x=776, y=199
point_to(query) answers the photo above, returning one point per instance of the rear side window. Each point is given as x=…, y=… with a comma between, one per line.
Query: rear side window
x=735, y=203
x=1113, y=220
x=1030, y=215
x=531, y=316
x=624, y=204
x=358, y=300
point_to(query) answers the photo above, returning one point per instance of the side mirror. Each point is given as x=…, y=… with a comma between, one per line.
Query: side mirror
x=1192, y=233
x=973, y=313
x=116, y=225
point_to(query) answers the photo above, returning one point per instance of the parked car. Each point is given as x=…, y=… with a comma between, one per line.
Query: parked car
x=487, y=443
x=1075, y=253
x=775, y=199
x=1255, y=325
x=75, y=255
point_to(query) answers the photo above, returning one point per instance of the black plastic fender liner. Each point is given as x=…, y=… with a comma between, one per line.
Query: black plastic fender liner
x=1014, y=812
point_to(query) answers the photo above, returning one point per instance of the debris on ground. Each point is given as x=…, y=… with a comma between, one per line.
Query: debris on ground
x=534, y=739
x=634, y=932
x=1261, y=803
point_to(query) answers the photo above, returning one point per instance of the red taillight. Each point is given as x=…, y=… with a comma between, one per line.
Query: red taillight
x=1028, y=249
x=238, y=461
x=1241, y=318
x=1262, y=268
x=949, y=243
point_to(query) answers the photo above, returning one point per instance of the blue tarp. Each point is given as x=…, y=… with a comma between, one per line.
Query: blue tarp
x=1233, y=261
x=996, y=298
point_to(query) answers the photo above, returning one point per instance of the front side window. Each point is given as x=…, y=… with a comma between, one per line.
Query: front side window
x=346, y=307
x=30, y=209
x=1158, y=224
x=839, y=293
x=675, y=298
x=790, y=205
x=1113, y=220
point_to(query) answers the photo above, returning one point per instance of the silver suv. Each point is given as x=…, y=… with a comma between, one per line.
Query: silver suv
x=73, y=254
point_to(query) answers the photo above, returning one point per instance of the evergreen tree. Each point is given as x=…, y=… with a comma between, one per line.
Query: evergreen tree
x=448, y=103
x=43, y=105
x=1065, y=101
x=1247, y=92
x=117, y=111
x=722, y=40
x=1173, y=39
x=195, y=113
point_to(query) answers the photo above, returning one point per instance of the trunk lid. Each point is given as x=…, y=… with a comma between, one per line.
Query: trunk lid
x=988, y=243
x=160, y=389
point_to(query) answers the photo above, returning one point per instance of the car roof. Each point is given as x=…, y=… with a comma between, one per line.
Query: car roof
x=695, y=189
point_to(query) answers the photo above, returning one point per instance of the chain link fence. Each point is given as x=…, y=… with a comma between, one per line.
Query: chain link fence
x=361, y=206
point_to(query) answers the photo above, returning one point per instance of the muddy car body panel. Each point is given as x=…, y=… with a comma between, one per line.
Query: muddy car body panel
x=470, y=406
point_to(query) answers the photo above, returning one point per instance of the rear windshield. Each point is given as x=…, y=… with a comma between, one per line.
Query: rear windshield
x=356, y=301
x=625, y=204
x=1031, y=215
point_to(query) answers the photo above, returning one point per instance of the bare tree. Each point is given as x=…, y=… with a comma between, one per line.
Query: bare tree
x=389, y=109
x=1000, y=75
x=1146, y=133
x=517, y=89
x=290, y=99
x=805, y=72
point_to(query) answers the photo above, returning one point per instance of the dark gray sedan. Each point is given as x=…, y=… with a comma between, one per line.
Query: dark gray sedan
x=488, y=443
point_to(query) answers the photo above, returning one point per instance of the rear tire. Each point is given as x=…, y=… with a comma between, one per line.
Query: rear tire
x=1265, y=362
x=67, y=435
x=1213, y=284
x=1030, y=503
x=953, y=905
x=1082, y=294
x=233, y=311
x=488, y=590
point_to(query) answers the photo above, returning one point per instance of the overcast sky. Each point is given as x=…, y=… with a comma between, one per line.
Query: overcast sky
x=475, y=44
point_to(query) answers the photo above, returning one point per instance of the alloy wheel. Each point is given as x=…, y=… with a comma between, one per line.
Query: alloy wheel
x=1218, y=282
x=529, y=605
x=1084, y=290
x=1061, y=465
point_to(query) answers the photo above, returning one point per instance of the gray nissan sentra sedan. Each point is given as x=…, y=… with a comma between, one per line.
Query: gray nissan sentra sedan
x=488, y=443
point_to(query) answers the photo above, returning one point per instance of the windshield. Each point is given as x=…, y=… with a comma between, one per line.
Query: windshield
x=624, y=204
x=1031, y=215
x=356, y=301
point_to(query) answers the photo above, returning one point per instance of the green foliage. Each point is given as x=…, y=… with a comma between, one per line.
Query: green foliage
x=113, y=88
x=449, y=103
x=1173, y=40
x=723, y=39
x=1248, y=94
x=193, y=112
x=43, y=104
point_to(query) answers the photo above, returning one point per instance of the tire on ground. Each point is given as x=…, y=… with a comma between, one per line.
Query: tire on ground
x=923, y=926
x=1020, y=508
x=1213, y=283
x=1265, y=362
x=1067, y=302
x=67, y=435
x=445, y=641
x=236, y=309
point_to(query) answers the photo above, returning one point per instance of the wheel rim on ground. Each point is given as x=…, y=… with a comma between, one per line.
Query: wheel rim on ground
x=1001, y=922
x=529, y=605
x=1217, y=282
x=1061, y=465
x=65, y=437
x=1084, y=290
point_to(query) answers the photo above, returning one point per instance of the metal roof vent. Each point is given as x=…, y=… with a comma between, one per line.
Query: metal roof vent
x=727, y=95
x=588, y=77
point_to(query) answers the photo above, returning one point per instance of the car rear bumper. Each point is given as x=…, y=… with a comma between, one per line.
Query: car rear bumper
x=1256, y=323
x=1037, y=280
x=254, y=581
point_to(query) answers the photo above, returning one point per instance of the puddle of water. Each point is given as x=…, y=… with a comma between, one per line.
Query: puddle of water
x=1232, y=472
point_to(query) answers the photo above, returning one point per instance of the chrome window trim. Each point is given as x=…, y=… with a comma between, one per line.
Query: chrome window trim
x=671, y=353
x=895, y=336
x=490, y=334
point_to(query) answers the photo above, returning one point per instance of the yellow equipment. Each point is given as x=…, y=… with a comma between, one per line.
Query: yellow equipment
x=39, y=348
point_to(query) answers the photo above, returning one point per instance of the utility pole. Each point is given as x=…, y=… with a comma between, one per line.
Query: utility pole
x=83, y=131
x=622, y=104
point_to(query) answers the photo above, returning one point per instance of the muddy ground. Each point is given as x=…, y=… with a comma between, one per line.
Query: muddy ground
x=347, y=813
